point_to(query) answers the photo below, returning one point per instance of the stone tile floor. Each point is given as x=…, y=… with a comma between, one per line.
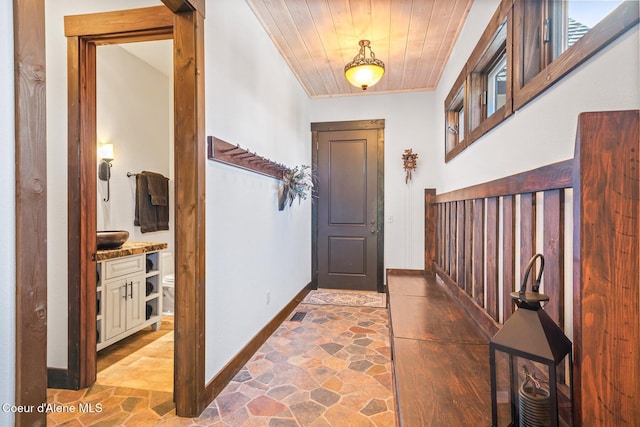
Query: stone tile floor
x=333, y=368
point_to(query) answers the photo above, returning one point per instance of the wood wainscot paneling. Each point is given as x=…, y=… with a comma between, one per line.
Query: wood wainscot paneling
x=604, y=176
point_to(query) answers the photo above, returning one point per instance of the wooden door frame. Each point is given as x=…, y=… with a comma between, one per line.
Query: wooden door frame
x=341, y=126
x=30, y=210
x=187, y=31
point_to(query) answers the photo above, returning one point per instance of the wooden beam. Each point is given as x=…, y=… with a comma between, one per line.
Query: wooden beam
x=493, y=255
x=527, y=234
x=553, y=251
x=429, y=230
x=554, y=176
x=182, y=6
x=508, y=254
x=189, y=152
x=120, y=21
x=606, y=269
x=478, y=242
x=31, y=210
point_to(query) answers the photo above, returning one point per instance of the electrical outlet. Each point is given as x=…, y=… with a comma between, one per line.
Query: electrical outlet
x=268, y=297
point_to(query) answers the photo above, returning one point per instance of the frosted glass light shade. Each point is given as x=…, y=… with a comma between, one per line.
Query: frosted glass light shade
x=105, y=151
x=365, y=75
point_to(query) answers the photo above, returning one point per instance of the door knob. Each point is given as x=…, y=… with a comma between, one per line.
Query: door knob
x=373, y=230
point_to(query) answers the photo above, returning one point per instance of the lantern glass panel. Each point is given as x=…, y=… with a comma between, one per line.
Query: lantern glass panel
x=524, y=396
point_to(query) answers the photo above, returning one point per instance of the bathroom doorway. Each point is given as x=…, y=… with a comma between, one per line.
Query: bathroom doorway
x=134, y=121
x=184, y=23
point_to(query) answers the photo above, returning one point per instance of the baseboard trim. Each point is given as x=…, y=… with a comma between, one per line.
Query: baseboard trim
x=226, y=374
x=477, y=313
x=404, y=272
x=58, y=378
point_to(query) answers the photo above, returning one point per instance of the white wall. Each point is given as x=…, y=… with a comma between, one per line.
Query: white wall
x=56, y=44
x=253, y=100
x=133, y=113
x=408, y=120
x=7, y=215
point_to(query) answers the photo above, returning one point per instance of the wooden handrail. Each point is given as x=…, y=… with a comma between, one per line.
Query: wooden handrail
x=553, y=176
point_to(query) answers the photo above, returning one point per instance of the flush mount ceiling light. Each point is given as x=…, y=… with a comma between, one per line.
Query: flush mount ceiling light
x=364, y=72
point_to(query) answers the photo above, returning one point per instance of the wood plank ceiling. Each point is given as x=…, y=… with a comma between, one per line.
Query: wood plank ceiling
x=318, y=37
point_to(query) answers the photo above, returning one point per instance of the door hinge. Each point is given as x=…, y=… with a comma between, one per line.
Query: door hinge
x=484, y=98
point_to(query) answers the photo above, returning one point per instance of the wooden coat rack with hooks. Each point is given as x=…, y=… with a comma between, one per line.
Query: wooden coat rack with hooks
x=234, y=155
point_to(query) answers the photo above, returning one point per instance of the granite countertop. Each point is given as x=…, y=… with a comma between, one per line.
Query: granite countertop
x=129, y=248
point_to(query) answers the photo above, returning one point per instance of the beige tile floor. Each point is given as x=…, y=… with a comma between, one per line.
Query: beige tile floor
x=331, y=369
x=148, y=368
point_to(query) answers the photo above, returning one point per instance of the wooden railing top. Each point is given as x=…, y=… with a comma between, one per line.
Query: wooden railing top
x=549, y=177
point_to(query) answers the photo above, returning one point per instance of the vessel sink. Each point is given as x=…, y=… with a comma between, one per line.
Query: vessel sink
x=111, y=239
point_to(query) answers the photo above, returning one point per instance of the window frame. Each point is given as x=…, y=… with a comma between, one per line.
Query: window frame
x=531, y=68
x=495, y=40
x=532, y=14
x=456, y=101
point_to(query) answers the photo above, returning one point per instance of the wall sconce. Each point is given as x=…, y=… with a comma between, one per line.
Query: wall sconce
x=364, y=72
x=410, y=163
x=105, y=152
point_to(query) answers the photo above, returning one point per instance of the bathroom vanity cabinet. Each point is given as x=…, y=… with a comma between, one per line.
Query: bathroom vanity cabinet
x=129, y=291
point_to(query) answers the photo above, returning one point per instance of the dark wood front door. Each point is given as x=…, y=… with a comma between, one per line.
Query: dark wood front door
x=349, y=216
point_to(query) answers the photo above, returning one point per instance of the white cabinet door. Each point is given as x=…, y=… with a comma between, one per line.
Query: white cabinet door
x=114, y=309
x=136, y=311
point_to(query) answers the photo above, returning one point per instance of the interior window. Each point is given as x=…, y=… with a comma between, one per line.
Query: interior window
x=455, y=121
x=528, y=46
x=497, y=85
x=569, y=20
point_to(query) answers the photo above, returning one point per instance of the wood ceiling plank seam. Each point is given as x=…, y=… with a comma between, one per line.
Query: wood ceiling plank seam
x=291, y=37
x=361, y=19
x=323, y=76
x=442, y=15
x=328, y=34
x=343, y=22
x=344, y=53
x=418, y=28
x=456, y=22
x=380, y=22
x=427, y=62
x=362, y=30
x=432, y=42
x=399, y=24
x=264, y=16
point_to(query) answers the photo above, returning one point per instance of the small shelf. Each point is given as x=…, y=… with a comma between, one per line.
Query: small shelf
x=152, y=295
x=234, y=155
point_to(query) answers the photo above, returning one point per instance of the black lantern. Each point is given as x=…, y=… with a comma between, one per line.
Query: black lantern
x=531, y=364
